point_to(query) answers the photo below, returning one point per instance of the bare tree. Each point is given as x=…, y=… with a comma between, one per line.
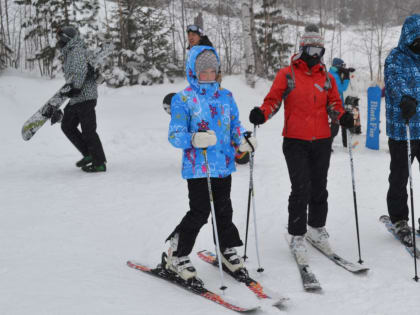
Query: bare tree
x=248, y=44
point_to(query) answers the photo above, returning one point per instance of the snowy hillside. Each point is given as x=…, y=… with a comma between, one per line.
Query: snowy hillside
x=65, y=235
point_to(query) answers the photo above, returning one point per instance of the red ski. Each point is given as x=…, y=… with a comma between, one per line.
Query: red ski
x=196, y=286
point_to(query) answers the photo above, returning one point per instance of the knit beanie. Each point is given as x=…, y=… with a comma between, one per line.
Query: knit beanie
x=206, y=60
x=312, y=37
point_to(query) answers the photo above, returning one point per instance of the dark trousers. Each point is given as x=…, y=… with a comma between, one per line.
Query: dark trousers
x=344, y=136
x=398, y=177
x=334, y=132
x=87, y=141
x=199, y=212
x=308, y=163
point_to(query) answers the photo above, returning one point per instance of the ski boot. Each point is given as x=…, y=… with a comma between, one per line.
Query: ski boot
x=181, y=266
x=233, y=263
x=94, y=169
x=85, y=161
x=403, y=231
x=319, y=237
x=298, y=248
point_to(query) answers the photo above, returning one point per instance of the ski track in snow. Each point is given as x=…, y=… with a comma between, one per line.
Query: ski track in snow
x=65, y=236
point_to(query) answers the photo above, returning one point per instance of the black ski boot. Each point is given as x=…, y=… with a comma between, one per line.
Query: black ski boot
x=404, y=232
x=94, y=169
x=85, y=161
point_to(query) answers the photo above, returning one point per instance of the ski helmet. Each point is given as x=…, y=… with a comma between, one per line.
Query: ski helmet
x=167, y=102
x=65, y=34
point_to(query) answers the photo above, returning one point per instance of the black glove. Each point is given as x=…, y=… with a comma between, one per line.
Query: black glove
x=57, y=116
x=52, y=112
x=256, y=116
x=70, y=91
x=347, y=120
x=48, y=111
x=408, y=107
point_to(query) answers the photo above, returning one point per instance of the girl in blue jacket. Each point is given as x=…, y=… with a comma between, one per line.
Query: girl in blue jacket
x=205, y=116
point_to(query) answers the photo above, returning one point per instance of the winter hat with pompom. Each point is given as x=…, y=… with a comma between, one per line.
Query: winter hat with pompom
x=312, y=37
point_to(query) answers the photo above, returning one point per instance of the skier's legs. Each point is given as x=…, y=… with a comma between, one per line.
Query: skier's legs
x=69, y=126
x=344, y=136
x=195, y=218
x=87, y=116
x=296, y=153
x=227, y=231
x=398, y=178
x=320, y=163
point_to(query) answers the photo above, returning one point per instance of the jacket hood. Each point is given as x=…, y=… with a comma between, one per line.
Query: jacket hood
x=410, y=31
x=190, y=66
x=298, y=62
x=333, y=69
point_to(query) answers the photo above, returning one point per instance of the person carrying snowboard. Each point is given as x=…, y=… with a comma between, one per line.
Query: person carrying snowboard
x=83, y=94
x=205, y=117
x=402, y=97
x=310, y=94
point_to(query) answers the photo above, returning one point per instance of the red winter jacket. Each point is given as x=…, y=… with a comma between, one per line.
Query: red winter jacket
x=305, y=109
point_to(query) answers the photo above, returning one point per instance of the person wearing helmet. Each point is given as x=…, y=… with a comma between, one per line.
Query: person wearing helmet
x=341, y=75
x=83, y=94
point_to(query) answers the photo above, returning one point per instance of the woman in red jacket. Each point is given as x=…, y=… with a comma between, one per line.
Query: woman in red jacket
x=310, y=94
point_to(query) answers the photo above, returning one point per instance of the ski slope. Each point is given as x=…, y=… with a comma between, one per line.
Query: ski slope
x=65, y=235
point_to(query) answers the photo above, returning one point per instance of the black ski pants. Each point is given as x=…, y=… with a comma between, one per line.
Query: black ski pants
x=334, y=131
x=308, y=163
x=87, y=141
x=398, y=177
x=199, y=212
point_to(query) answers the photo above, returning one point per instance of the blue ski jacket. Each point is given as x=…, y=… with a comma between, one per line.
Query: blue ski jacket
x=402, y=77
x=205, y=107
x=341, y=85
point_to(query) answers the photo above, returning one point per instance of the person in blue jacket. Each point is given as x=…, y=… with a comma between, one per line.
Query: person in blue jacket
x=341, y=75
x=402, y=96
x=205, y=116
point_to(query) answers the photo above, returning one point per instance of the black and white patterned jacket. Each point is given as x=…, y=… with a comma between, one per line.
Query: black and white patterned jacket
x=75, y=67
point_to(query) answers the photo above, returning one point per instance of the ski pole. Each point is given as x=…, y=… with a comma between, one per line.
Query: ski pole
x=213, y=216
x=416, y=278
x=349, y=136
x=251, y=169
x=251, y=196
x=251, y=186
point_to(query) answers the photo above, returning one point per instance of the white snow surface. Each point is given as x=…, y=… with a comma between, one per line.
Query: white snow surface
x=65, y=235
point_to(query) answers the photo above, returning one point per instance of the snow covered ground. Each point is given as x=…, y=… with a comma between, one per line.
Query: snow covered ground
x=65, y=236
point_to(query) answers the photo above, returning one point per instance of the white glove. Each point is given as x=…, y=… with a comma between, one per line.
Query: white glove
x=245, y=146
x=204, y=139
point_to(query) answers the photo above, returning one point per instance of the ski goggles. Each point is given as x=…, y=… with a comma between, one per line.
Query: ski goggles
x=195, y=29
x=314, y=51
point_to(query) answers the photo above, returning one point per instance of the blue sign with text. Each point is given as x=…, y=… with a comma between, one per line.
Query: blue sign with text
x=373, y=123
